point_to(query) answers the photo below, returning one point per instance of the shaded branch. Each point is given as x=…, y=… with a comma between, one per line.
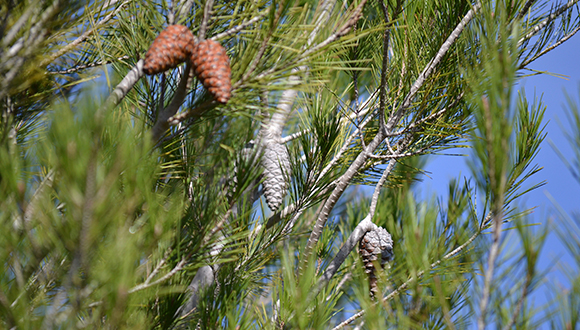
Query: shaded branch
x=162, y=124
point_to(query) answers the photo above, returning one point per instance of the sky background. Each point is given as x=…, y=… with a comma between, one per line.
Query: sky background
x=560, y=183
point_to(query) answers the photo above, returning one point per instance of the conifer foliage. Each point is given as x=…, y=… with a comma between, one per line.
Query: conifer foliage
x=197, y=164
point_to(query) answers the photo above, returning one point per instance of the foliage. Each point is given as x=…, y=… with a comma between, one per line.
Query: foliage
x=132, y=201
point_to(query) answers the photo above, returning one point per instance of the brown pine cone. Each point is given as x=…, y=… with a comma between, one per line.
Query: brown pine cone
x=374, y=244
x=211, y=65
x=173, y=46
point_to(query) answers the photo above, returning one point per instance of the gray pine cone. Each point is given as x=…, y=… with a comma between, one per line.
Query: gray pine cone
x=276, y=166
x=375, y=244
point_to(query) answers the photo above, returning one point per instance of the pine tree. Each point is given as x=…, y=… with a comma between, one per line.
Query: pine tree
x=215, y=164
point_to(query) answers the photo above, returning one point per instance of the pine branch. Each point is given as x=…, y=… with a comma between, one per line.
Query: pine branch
x=493, y=254
x=164, y=278
x=394, y=120
x=206, y=16
x=13, y=59
x=413, y=126
x=345, y=179
x=525, y=9
x=89, y=65
x=342, y=184
x=184, y=8
x=520, y=302
x=125, y=85
x=240, y=27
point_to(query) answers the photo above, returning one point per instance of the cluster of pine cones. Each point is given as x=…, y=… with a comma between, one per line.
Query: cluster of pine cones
x=211, y=65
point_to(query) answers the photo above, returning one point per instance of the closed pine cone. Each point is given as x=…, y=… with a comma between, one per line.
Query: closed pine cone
x=211, y=65
x=375, y=244
x=173, y=46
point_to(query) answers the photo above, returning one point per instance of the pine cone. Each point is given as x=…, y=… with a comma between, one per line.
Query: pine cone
x=276, y=164
x=374, y=244
x=173, y=46
x=211, y=65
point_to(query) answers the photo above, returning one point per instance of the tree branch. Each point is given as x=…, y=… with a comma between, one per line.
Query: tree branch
x=493, y=254
x=89, y=65
x=206, y=16
x=394, y=120
x=240, y=27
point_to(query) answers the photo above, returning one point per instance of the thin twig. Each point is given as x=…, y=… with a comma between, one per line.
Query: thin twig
x=559, y=11
x=338, y=33
x=167, y=276
x=156, y=270
x=550, y=48
x=89, y=65
x=520, y=302
x=240, y=27
x=384, y=69
x=206, y=16
x=382, y=180
x=493, y=254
